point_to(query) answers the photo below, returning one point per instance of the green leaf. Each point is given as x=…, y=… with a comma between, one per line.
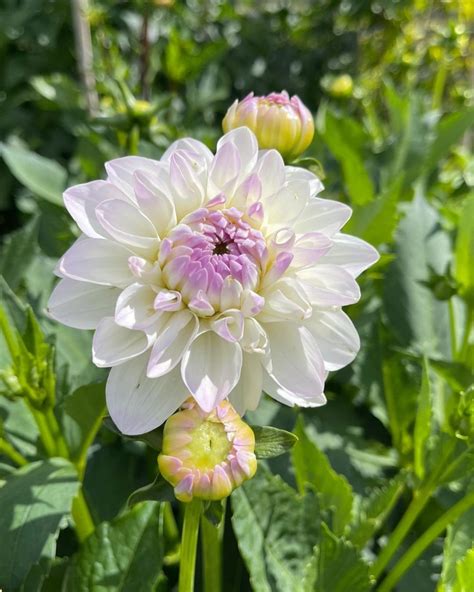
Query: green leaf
x=276, y=531
x=34, y=500
x=84, y=410
x=458, y=543
x=464, y=268
x=312, y=467
x=17, y=253
x=40, y=175
x=345, y=145
x=422, y=421
x=158, y=491
x=270, y=441
x=336, y=566
x=417, y=318
x=125, y=554
x=448, y=132
x=374, y=510
x=465, y=573
x=154, y=439
x=214, y=512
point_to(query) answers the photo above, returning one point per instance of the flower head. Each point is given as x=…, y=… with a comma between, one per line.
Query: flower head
x=278, y=121
x=215, y=275
x=207, y=455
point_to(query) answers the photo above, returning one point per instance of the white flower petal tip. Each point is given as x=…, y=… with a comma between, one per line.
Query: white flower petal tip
x=211, y=275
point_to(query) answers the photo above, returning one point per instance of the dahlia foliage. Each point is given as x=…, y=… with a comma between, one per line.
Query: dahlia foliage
x=212, y=275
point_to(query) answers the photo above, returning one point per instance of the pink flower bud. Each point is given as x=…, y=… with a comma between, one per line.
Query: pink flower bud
x=277, y=120
x=207, y=455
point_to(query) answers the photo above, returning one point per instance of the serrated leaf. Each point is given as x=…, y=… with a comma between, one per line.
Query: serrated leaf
x=18, y=251
x=34, y=500
x=312, y=468
x=374, y=510
x=464, y=268
x=422, y=421
x=336, y=566
x=158, y=491
x=417, y=318
x=276, y=531
x=271, y=442
x=42, y=176
x=125, y=554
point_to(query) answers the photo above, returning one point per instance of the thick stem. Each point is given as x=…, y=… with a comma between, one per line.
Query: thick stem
x=189, y=538
x=16, y=457
x=82, y=517
x=211, y=556
x=425, y=541
x=44, y=431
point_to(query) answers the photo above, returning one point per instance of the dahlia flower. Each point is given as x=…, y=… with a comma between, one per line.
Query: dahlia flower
x=278, y=121
x=207, y=455
x=211, y=275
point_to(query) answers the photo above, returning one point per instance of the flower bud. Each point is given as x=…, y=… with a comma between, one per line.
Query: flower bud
x=207, y=455
x=277, y=120
x=341, y=87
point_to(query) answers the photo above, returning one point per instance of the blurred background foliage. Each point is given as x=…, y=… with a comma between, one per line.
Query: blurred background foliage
x=391, y=85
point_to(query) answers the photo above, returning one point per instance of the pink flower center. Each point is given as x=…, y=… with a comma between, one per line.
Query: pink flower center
x=207, y=248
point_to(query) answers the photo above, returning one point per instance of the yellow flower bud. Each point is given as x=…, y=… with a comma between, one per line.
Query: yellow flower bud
x=277, y=120
x=207, y=455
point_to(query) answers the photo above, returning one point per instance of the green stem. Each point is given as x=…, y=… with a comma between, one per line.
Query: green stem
x=439, y=84
x=55, y=431
x=467, y=333
x=452, y=328
x=7, y=449
x=171, y=536
x=425, y=541
x=211, y=556
x=82, y=517
x=44, y=431
x=192, y=514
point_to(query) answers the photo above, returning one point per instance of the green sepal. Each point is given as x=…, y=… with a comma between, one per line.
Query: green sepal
x=158, y=491
x=271, y=442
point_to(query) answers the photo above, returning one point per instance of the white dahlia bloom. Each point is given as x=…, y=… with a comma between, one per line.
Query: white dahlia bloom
x=216, y=275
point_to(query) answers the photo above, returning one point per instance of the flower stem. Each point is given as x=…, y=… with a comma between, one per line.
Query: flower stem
x=417, y=504
x=189, y=538
x=211, y=556
x=425, y=541
x=7, y=449
x=82, y=517
x=44, y=431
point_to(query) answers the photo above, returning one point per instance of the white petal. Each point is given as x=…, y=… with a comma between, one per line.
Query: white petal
x=172, y=341
x=98, y=261
x=270, y=169
x=120, y=171
x=138, y=404
x=246, y=395
x=323, y=215
x=281, y=395
x=196, y=148
x=328, y=285
x=224, y=171
x=113, y=345
x=186, y=184
x=134, y=309
x=300, y=174
x=211, y=368
x=127, y=225
x=81, y=305
x=336, y=337
x=284, y=207
x=351, y=253
x=296, y=362
x=154, y=196
x=285, y=300
x=81, y=201
x=246, y=143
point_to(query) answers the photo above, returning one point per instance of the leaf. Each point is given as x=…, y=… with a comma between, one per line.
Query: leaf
x=312, y=467
x=464, y=254
x=375, y=509
x=84, y=410
x=214, y=512
x=458, y=543
x=422, y=421
x=158, y=491
x=34, y=500
x=17, y=253
x=448, y=132
x=345, y=146
x=43, y=177
x=276, y=530
x=336, y=566
x=270, y=441
x=154, y=439
x=417, y=318
x=464, y=573
x=125, y=554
